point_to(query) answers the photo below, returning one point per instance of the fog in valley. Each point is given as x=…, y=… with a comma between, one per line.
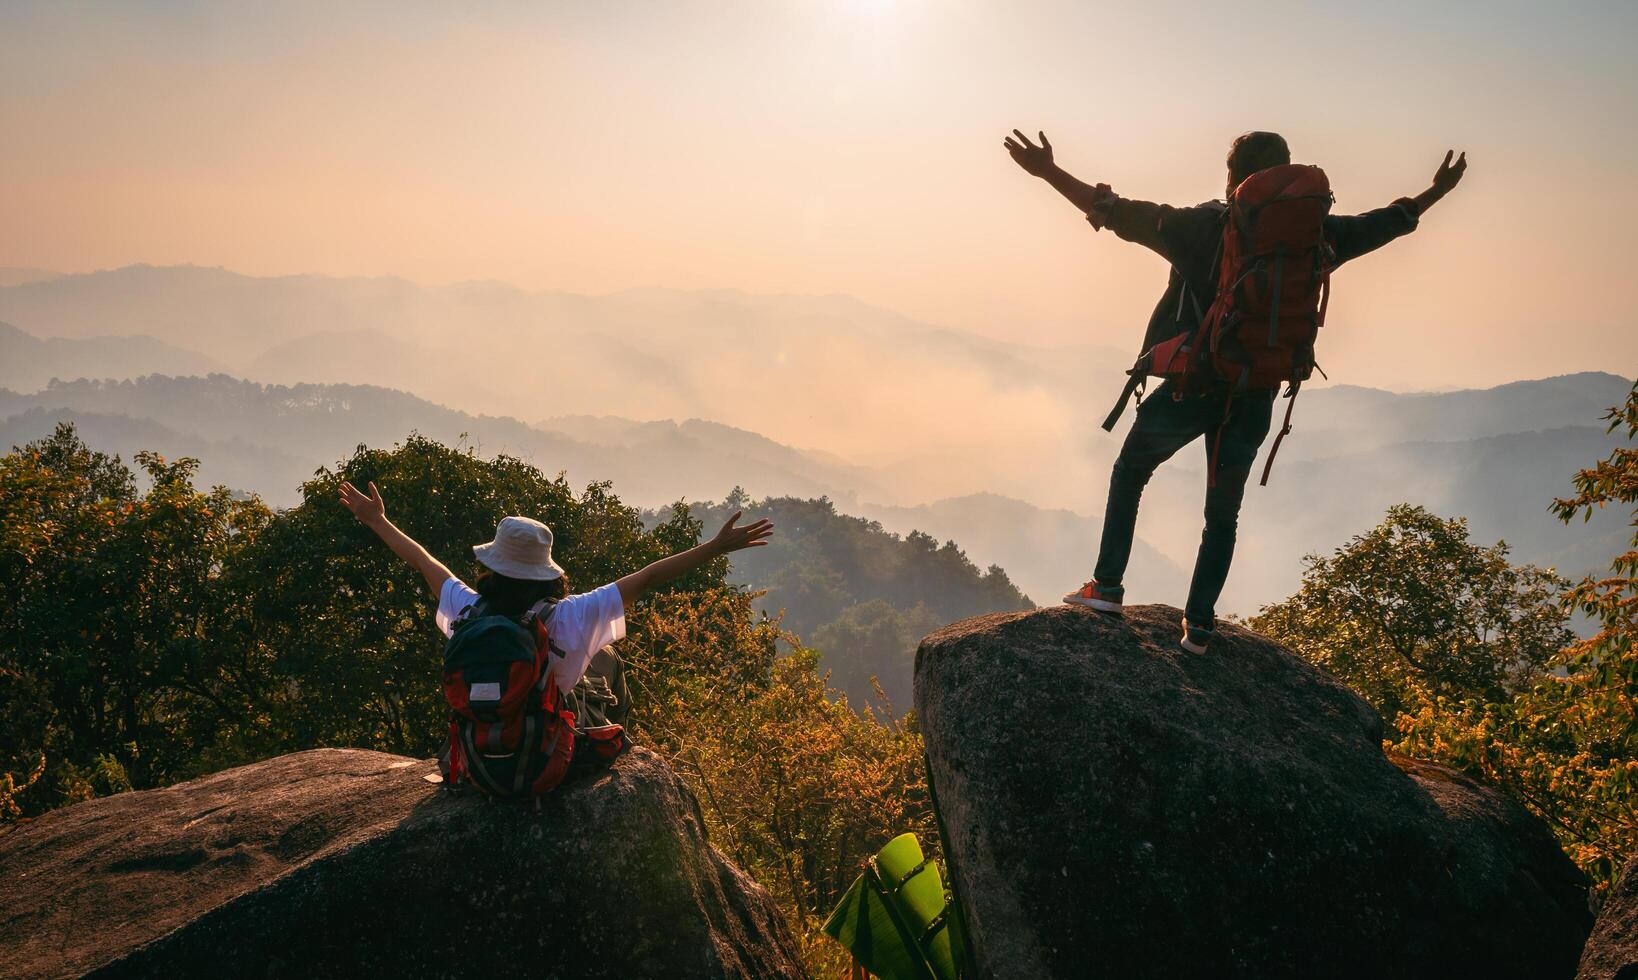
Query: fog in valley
x=687, y=394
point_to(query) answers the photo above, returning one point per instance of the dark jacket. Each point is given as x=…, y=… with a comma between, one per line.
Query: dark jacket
x=1188, y=238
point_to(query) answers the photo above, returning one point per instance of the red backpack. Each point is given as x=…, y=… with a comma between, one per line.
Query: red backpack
x=511, y=731
x=1273, y=284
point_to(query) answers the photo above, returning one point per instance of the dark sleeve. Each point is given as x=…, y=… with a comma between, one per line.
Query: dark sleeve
x=1175, y=234
x=1354, y=235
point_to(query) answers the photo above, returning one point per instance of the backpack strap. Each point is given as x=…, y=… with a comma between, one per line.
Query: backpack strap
x=1217, y=439
x=526, y=753
x=1135, y=378
x=472, y=611
x=547, y=606
x=539, y=618
x=1285, y=428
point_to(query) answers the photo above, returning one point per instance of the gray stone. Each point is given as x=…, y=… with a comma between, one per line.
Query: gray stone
x=1612, y=949
x=349, y=863
x=1133, y=810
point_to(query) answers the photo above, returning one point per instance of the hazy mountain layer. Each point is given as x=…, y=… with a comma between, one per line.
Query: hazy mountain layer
x=28, y=362
x=896, y=415
x=1343, y=419
x=826, y=372
x=935, y=413
x=278, y=435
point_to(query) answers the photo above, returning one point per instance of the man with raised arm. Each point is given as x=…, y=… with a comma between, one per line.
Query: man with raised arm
x=1233, y=421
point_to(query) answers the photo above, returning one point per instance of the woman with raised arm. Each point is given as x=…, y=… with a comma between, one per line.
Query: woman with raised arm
x=518, y=599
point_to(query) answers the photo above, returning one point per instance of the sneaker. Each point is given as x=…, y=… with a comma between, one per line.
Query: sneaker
x=1195, y=638
x=1104, y=598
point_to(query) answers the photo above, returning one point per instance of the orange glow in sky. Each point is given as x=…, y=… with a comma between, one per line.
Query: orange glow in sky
x=852, y=147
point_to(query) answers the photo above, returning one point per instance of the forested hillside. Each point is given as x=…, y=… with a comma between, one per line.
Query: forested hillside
x=859, y=594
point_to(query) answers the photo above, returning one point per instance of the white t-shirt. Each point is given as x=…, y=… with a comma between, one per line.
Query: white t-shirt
x=580, y=625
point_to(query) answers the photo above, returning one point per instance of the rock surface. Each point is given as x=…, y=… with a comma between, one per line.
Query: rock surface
x=349, y=863
x=1118, y=807
x=1612, y=949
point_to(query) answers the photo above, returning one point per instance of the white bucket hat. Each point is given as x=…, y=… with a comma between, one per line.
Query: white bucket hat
x=522, y=549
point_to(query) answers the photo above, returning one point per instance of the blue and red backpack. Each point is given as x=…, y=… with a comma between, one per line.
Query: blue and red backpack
x=512, y=733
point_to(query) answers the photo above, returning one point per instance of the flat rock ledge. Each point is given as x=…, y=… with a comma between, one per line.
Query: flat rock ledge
x=339, y=862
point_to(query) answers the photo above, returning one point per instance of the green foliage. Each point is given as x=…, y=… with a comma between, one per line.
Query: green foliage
x=331, y=606
x=872, y=641
x=860, y=594
x=109, y=605
x=1412, y=610
x=1560, y=732
x=797, y=785
x=149, y=636
x=1568, y=746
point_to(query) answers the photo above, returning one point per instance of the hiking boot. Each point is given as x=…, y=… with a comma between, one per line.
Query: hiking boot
x=1104, y=598
x=1195, y=638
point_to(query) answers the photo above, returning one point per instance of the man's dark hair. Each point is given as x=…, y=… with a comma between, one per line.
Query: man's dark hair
x=507, y=596
x=1252, y=152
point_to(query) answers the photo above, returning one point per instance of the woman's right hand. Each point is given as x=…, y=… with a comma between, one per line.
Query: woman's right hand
x=1036, y=160
x=368, y=508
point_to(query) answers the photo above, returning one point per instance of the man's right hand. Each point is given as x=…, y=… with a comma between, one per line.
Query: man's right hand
x=1036, y=160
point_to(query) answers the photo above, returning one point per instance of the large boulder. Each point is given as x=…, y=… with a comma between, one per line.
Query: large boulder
x=1612, y=949
x=349, y=863
x=1118, y=807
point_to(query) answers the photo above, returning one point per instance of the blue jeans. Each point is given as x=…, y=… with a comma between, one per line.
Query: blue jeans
x=1164, y=425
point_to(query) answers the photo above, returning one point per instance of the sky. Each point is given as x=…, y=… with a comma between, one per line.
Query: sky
x=842, y=146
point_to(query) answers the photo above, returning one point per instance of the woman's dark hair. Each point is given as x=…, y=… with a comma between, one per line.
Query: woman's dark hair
x=508, y=596
x=1252, y=152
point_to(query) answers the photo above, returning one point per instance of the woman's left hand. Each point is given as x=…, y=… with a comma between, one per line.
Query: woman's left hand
x=733, y=538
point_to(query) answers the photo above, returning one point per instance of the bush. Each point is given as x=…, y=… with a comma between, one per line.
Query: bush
x=1472, y=662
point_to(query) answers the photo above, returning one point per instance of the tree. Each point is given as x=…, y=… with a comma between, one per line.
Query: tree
x=862, y=596
x=871, y=643
x=1568, y=746
x=1559, y=734
x=110, y=611
x=348, y=630
x=1607, y=663
x=1412, y=610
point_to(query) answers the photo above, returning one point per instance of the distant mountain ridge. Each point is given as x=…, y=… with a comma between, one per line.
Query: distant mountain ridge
x=28, y=362
x=828, y=372
x=900, y=421
x=17, y=275
x=1342, y=419
x=300, y=427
